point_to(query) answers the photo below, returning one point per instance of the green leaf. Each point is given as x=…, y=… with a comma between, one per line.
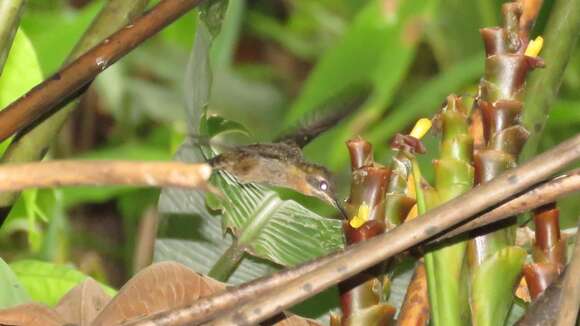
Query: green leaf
x=383, y=40
x=21, y=72
x=47, y=282
x=492, y=285
x=12, y=291
x=67, y=25
x=425, y=101
x=193, y=236
x=215, y=125
x=282, y=231
x=198, y=78
x=212, y=13
x=380, y=39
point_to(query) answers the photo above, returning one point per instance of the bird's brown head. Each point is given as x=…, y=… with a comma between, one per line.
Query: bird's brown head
x=320, y=183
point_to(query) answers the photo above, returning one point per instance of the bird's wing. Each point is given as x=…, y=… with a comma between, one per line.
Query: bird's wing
x=332, y=112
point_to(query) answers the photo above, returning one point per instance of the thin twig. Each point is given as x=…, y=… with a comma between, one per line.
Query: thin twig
x=10, y=12
x=48, y=174
x=61, y=88
x=281, y=290
x=32, y=144
x=570, y=297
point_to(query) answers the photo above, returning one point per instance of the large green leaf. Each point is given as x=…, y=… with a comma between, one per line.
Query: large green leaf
x=193, y=236
x=492, y=285
x=12, y=291
x=21, y=72
x=47, y=282
x=377, y=50
x=54, y=44
x=381, y=42
x=282, y=231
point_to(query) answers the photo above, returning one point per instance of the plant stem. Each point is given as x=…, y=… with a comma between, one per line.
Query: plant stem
x=10, y=12
x=66, y=84
x=227, y=263
x=33, y=144
x=561, y=35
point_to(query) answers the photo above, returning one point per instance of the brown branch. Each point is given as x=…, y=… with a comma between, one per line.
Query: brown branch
x=543, y=194
x=67, y=83
x=48, y=174
x=570, y=297
x=294, y=285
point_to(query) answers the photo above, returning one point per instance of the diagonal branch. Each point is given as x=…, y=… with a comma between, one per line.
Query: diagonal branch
x=63, y=86
x=48, y=174
x=288, y=287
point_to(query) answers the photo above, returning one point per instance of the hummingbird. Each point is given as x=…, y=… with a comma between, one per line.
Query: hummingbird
x=281, y=163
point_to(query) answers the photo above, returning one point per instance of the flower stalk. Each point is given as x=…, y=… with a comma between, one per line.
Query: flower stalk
x=491, y=253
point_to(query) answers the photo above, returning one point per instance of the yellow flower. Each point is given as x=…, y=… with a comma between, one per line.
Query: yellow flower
x=361, y=217
x=421, y=128
x=534, y=47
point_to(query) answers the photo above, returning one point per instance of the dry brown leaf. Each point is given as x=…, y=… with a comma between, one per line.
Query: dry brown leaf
x=415, y=309
x=30, y=314
x=160, y=287
x=83, y=303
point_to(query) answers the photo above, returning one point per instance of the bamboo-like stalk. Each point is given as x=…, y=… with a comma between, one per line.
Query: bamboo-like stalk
x=49, y=174
x=63, y=86
x=445, y=265
x=10, y=12
x=548, y=251
x=500, y=106
x=32, y=144
x=368, y=253
x=360, y=295
x=207, y=308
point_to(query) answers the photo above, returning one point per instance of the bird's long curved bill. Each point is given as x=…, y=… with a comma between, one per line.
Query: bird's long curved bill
x=340, y=208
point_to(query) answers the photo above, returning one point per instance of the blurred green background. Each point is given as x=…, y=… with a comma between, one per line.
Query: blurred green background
x=277, y=62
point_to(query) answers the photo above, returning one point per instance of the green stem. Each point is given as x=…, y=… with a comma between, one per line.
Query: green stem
x=561, y=36
x=226, y=265
x=429, y=260
x=32, y=145
x=421, y=204
x=10, y=12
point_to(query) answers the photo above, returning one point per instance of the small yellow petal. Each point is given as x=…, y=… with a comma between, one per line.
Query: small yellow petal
x=412, y=213
x=356, y=222
x=421, y=128
x=361, y=217
x=411, y=191
x=534, y=47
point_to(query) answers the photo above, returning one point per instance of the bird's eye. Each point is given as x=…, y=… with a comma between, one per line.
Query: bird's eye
x=323, y=185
